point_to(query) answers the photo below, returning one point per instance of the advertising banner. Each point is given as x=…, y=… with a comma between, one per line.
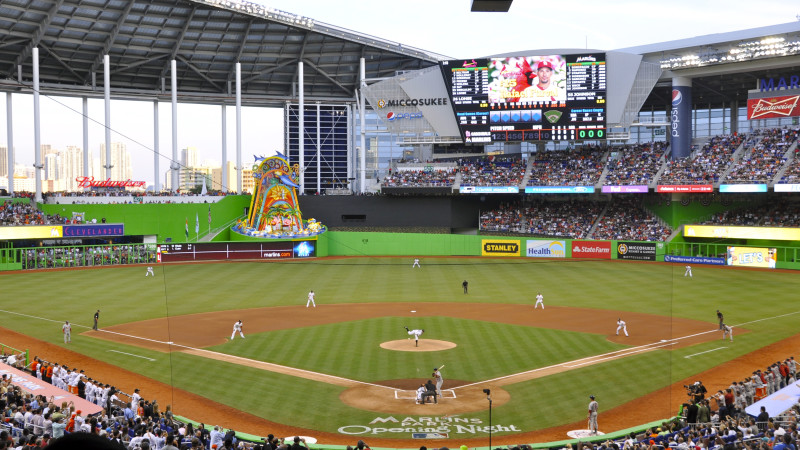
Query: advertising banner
x=559, y=189
x=681, y=121
x=694, y=260
x=685, y=188
x=591, y=249
x=488, y=190
x=632, y=189
x=773, y=107
x=96, y=229
x=31, y=232
x=237, y=250
x=639, y=251
x=752, y=257
x=728, y=188
x=786, y=187
x=494, y=247
x=731, y=232
x=546, y=249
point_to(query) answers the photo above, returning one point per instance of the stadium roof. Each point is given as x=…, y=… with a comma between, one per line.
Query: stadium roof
x=206, y=37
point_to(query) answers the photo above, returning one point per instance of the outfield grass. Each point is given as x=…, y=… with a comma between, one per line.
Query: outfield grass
x=37, y=303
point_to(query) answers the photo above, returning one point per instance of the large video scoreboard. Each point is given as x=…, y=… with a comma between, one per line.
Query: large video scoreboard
x=529, y=98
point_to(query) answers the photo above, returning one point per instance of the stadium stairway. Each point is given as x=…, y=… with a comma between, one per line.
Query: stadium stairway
x=789, y=159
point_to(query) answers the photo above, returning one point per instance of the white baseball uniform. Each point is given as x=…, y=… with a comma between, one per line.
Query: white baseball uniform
x=416, y=263
x=539, y=301
x=727, y=330
x=416, y=334
x=311, y=300
x=67, y=330
x=621, y=326
x=149, y=272
x=439, y=381
x=688, y=272
x=237, y=327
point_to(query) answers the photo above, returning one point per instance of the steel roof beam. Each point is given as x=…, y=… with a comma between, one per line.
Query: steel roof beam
x=37, y=36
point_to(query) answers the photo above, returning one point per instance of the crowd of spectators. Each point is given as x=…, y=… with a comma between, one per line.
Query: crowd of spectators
x=98, y=255
x=707, y=165
x=635, y=165
x=567, y=219
x=16, y=213
x=764, y=155
x=493, y=171
x=779, y=212
x=575, y=167
x=420, y=178
x=625, y=219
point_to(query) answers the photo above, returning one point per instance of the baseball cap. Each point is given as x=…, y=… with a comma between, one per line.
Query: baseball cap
x=544, y=63
x=591, y=396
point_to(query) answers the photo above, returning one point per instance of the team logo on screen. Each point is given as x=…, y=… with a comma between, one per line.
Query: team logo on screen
x=677, y=97
x=552, y=116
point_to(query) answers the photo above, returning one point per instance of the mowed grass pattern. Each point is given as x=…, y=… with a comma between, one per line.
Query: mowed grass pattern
x=762, y=301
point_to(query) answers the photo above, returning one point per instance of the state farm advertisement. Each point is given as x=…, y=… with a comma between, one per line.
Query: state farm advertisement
x=773, y=107
x=591, y=249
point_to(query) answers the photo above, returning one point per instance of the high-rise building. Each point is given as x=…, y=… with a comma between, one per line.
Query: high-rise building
x=72, y=163
x=189, y=157
x=120, y=161
x=216, y=179
x=3, y=161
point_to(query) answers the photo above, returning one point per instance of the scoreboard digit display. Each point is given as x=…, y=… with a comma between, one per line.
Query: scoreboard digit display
x=528, y=98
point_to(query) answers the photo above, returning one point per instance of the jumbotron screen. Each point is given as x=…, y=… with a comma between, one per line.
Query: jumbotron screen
x=528, y=98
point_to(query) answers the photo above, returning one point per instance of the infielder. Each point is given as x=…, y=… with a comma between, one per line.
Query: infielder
x=67, y=330
x=416, y=263
x=149, y=272
x=311, y=300
x=416, y=334
x=621, y=326
x=688, y=272
x=237, y=327
x=593, y=415
x=727, y=330
x=96, y=318
x=539, y=300
x=439, y=380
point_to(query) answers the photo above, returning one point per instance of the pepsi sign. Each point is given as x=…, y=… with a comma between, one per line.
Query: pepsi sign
x=392, y=116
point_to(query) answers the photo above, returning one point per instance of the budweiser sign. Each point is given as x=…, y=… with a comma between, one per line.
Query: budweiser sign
x=89, y=182
x=773, y=107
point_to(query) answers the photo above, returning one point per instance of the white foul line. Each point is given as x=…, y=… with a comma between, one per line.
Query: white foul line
x=707, y=351
x=131, y=354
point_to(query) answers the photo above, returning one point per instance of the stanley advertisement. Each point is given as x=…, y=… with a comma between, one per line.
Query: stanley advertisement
x=499, y=248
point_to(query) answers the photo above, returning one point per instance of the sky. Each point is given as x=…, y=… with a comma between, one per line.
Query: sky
x=446, y=27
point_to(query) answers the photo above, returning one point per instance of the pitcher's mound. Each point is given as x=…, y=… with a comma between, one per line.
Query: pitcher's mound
x=425, y=345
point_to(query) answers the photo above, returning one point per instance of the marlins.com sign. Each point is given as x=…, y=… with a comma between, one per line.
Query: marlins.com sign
x=546, y=249
x=499, y=248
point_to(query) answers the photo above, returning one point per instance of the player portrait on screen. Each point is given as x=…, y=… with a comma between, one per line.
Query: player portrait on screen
x=529, y=79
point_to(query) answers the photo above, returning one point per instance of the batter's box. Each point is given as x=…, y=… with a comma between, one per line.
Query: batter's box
x=400, y=394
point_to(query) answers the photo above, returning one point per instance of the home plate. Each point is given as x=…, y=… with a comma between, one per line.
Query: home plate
x=414, y=311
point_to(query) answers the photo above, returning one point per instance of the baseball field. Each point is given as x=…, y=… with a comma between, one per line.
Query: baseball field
x=346, y=370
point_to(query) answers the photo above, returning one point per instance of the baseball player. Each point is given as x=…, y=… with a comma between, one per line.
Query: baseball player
x=621, y=326
x=96, y=318
x=237, y=327
x=593, y=415
x=437, y=375
x=727, y=330
x=688, y=272
x=149, y=272
x=416, y=334
x=720, y=319
x=420, y=392
x=539, y=300
x=67, y=330
x=311, y=300
x=416, y=263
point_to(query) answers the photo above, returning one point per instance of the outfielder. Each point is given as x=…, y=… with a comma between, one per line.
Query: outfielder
x=416, y=334
x=416, y=263
x=688, y=272
x=727, y=330
x=149, y=272
x=311, y=300
x=237, y=327
x=621, y=326
x=539, y=301
x=67, y=330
